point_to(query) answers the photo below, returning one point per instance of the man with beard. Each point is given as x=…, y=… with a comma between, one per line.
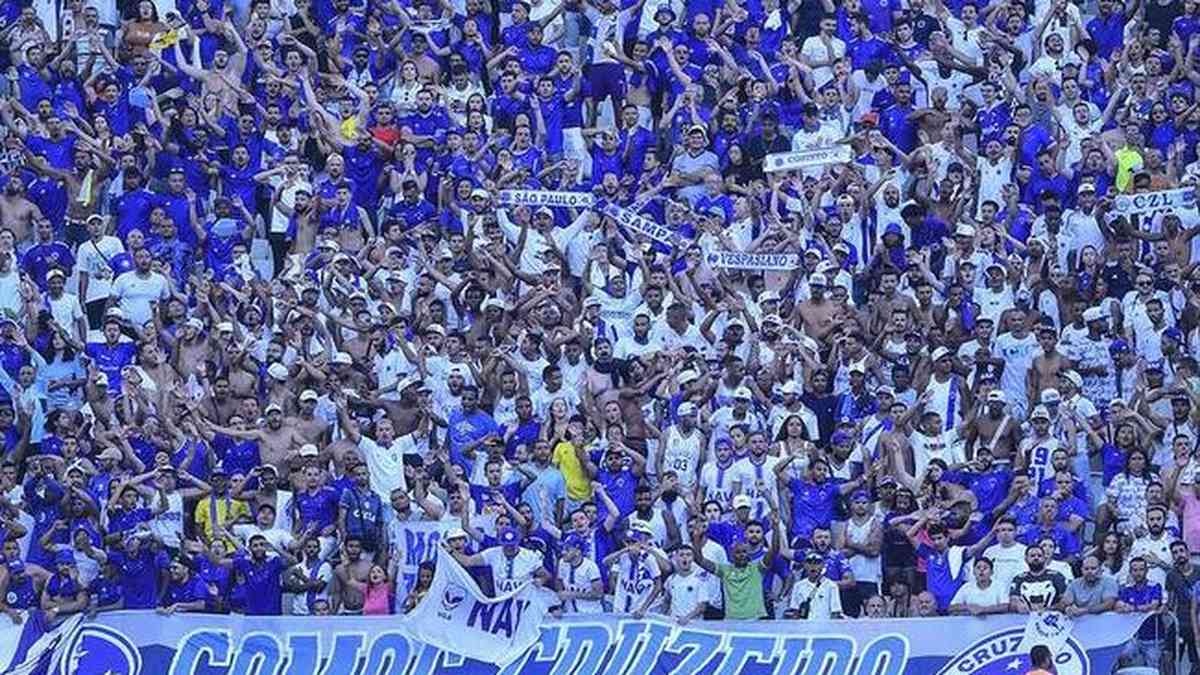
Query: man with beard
x=994, y=430
x=276, y=442
x=814, y=596
x=1038, y=589
x=745, y=581
x=16, y=212
x=1154, y=546
x=225, y=69
x=1142, y=594
x=184, y=592
x=985, y=479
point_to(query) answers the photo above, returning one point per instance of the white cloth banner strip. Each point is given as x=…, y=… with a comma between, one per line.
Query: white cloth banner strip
x=1168, y=201
x=638, y=223
x=788, y=161
x=546, y=198
x=778, y=262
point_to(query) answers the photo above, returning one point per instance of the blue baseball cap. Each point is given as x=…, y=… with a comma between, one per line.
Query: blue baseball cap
x=64, y=558
x=1173, y=333
x=1119, y=347
x=573, y=541
x=509, y=537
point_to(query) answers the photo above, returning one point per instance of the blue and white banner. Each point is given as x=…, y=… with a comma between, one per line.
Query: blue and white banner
x=545, y=198
x=456, y=615
x=774, y=262
x=33, y=647
x=638, y=223
x=413, y=543
x=129, y=643
x=802, y=159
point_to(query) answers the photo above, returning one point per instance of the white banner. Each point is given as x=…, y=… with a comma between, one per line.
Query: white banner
x=638, y=223
x=1154, y=203
x=1051, y=629
x=779, y=262
x=456, y=616
x=788, y=161
x=412, y=543
x=546, y=198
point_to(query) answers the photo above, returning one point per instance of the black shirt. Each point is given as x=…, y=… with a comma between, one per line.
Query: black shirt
x=1039, y=589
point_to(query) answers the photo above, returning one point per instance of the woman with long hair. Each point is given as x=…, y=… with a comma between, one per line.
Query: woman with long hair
x=1126, y=494
x=64, y=372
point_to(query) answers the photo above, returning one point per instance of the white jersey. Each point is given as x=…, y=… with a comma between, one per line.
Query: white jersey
x=717, y=483
x=1039, y=450
x=321, y=571
x=509, y=573
x=633, y=580
x=946, y=446
x=681, y=454
x=580, y=579
x=946, y=401
x=687, y=592
x=168, y=525
x=758, y=482
x=1008, y=562
x=1018, y=354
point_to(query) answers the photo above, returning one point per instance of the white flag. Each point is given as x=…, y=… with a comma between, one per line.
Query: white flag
x=458, y=618
x=1046, y=628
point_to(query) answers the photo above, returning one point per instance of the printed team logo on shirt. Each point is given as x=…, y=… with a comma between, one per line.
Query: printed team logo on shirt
x=1002, y=653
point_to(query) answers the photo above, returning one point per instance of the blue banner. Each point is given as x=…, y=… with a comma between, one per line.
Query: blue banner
x=130, y=643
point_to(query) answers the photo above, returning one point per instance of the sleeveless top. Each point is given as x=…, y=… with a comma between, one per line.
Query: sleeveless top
x=864, y=568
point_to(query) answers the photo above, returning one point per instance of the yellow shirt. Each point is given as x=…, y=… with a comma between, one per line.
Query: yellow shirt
x=226, y=512
x=1127, y=158
x=579, y=486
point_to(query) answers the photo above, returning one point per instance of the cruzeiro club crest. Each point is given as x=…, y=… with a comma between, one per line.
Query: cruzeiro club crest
x=1001, y=653
x=453, y=596
x=100, y=650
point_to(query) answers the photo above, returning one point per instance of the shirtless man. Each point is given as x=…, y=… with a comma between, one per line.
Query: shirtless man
x=192, y=348
x=889, y=281
x=305, y=424
x=347, y=598
x=303, y=216
x=1179, y=240
x=268, y=492
x=992, y=428
x=80, y=204
x=275, y=441
x=1045, y=369
x=220, y=403
x=816, y=314
x=221, y=76
x=16, y=212
x=166, y=379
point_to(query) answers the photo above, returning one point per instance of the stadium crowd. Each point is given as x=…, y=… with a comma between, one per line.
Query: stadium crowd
x=277, y=281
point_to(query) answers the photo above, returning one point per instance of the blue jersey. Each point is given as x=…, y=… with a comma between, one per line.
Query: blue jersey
x=262, y=584
x=318, y=509
x=812, y=506
x=942, y=580
x=139, y=576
